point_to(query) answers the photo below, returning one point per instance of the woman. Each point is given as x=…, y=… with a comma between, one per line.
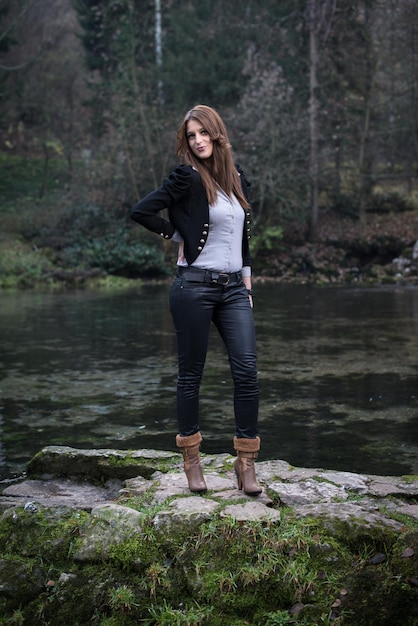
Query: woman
x=209, y=217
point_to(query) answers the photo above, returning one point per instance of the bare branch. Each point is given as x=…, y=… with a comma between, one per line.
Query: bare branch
x=15, y=68
x=25, y=5
x=331, y=17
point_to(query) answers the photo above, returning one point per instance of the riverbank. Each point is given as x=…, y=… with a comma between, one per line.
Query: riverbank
x=116, y=538
x=384, y=250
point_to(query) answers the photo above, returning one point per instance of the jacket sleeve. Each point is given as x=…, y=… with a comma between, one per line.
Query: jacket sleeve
x=246, y=254
x=146, y=211
x=244, y=181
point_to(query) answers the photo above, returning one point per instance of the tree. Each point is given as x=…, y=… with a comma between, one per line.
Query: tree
x=313, y=25
x=205, y=68
x=272, y=143
x=319, y=95
x=11, y=17
x=43, y=111
x=396, y=34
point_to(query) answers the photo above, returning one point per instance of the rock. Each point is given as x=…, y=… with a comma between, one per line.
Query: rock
x=75, y=551
x=237, y=494
x=19, y=580
x=109, y=525
x=283, y=470
x=98, y=465
x=385, y=486
x=250, y=512
x=306, y=492
x=158, y=476
x=349, y=515
x=173, y=484
x=377, y=559
x=66, y=493
x=409, y=509
x=185, y=513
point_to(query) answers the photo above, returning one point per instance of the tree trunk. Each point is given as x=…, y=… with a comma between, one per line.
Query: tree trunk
x=313, y=119
x=44, y=183
x=365, y=156
x=159, y=53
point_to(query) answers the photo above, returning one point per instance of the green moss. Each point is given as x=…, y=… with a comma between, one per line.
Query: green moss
x=220, y=574
x=409, y=478
x=266, y=565
x=119, y=461
x=322, y=479
x=39, y=532
x=137, y=552
x=357, y=533
x=143, y=467
x=410, y=522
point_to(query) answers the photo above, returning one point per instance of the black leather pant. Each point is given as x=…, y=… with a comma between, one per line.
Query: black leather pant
x=194, y=306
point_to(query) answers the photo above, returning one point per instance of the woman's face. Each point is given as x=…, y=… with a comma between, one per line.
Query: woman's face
x=198, y=139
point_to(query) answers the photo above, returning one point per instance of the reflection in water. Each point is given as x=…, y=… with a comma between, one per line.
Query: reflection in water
x=338, y=373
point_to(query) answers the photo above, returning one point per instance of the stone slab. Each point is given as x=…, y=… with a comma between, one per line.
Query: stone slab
x=59, y=492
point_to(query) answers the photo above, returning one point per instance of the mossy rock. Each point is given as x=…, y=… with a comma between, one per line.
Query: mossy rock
x=100, y=465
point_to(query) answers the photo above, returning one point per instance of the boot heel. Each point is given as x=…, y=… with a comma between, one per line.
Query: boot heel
x=237, y=474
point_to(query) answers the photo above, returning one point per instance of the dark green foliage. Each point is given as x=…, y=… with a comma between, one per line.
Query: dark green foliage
x=108, y=27
x=251, y=61
x=118, y=40
x=204, y=53
x=47, y=535
x=117, y=254
x=22, y=178
x=7, y=40
x=391, y=202
x=88, y=237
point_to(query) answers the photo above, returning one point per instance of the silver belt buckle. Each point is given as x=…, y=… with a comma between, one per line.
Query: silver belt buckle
x=223, y=279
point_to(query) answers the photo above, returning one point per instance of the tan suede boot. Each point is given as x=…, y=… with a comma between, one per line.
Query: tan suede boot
x=189, y=447
x=247, y=451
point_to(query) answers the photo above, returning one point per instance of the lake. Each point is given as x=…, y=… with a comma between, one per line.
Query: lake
x=338, y=372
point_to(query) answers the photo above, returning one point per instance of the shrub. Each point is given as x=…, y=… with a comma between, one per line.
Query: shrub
x=118, y=254
x=20, y=265
x=378, y=202
x=88, y=237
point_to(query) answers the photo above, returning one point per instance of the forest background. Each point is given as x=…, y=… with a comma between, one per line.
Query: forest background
x=320, y=98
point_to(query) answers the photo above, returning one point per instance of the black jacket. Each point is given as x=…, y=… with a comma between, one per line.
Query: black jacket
x=188, y=211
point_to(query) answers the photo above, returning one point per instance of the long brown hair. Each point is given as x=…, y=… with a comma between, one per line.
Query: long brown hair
x=219, y=169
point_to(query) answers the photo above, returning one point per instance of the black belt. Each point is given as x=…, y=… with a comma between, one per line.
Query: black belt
x=196, y=274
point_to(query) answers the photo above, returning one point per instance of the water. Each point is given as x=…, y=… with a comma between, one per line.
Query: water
x=338, y=372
